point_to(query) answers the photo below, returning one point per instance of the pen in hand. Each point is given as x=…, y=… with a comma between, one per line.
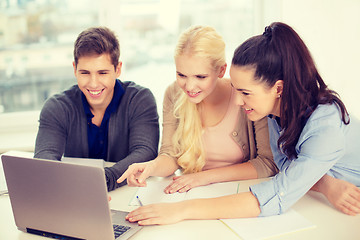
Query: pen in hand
x=137, y=197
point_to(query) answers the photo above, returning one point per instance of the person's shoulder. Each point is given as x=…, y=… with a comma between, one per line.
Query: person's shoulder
x=327, y=111
x=132, y=88
x=66, y=103
x=130, y=85
x=173, y=90
x=325, y=115
x=136, y=94
x=69, y=96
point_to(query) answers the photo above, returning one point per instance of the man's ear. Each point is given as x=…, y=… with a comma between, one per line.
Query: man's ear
x=74, y=66
x=118, y=69
x=222, y=71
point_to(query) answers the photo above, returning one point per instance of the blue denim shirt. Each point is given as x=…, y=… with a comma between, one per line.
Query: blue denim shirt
x=326, y=146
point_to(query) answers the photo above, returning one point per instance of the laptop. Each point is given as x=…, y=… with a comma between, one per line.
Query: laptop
x=63, y=200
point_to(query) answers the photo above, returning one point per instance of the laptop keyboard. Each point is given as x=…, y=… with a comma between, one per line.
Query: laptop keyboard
x=119, y=230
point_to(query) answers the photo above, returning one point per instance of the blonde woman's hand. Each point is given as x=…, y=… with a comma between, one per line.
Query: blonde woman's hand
x=137, y=173
x=186, y=182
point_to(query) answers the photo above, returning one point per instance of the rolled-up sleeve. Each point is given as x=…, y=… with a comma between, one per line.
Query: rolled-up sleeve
x=321, y=144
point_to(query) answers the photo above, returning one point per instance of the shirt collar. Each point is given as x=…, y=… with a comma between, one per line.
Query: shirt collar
x=277, y=119
x=118, y=92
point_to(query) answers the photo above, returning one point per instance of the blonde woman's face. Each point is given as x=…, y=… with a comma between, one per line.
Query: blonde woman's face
x=196, y=76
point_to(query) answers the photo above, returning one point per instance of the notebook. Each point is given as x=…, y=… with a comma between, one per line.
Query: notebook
x=62, y=200
x=268, y=227
x=154, y=192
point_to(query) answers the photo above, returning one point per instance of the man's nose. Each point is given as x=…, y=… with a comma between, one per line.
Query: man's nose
x=93, y=80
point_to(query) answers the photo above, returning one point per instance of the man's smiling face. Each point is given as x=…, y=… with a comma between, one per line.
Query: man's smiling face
x=96, y=77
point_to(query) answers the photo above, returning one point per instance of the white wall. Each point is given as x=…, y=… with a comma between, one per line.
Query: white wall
x=331, y=30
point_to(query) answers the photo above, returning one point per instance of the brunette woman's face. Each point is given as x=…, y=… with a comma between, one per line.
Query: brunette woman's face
x=257, y=99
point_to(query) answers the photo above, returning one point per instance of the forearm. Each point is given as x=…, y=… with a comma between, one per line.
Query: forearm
x=163, y=166
x=236, y=172
x=49, y=144
x=233, y=206
x=323, y=184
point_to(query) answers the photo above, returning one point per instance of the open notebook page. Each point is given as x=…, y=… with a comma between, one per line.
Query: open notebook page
x=266, y=227
x=154, y=192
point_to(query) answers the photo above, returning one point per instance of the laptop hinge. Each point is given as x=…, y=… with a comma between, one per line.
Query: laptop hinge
x=51, y=235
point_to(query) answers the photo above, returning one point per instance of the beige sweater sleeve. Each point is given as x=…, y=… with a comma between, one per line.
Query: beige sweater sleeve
x=253, y=138
x=262, y=159
x=170, y=122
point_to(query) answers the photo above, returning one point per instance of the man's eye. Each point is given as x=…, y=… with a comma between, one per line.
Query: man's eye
x=245, y=93
x=84, y=73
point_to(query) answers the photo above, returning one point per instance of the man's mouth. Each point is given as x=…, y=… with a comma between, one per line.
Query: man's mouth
x=95, y=93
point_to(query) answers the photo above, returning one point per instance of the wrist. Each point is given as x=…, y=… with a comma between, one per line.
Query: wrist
x=152, y=166
x=322, y=185
x=163, y=166
x=205, y=177
x=185, y=209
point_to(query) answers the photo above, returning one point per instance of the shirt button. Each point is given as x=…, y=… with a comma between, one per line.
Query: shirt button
x=282, y=194
x=234, y=134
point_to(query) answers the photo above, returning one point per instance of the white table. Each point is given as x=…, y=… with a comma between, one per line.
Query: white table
x=330, y=223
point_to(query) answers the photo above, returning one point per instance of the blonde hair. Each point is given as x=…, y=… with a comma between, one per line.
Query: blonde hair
x=202, y=41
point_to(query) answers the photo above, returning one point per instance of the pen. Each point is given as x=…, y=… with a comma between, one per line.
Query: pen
x=137, y=197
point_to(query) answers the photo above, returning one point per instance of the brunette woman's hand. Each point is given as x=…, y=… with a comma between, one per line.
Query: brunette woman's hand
x=343, y=195
x=157, y=214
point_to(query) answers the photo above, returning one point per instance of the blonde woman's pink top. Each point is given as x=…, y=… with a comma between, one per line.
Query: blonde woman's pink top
x=220, y=148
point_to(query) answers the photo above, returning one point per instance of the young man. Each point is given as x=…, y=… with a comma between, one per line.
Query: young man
x=100, y=117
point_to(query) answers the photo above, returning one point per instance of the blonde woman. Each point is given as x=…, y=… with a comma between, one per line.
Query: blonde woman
x=204, y=132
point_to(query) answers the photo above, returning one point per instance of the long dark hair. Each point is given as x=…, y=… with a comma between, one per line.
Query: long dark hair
x=280, y=54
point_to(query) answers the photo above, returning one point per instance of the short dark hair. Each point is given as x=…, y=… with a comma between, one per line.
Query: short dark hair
x=96, y=41
x=280, y=54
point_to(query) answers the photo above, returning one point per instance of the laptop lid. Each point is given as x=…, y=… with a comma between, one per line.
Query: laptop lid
x=57, y=197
